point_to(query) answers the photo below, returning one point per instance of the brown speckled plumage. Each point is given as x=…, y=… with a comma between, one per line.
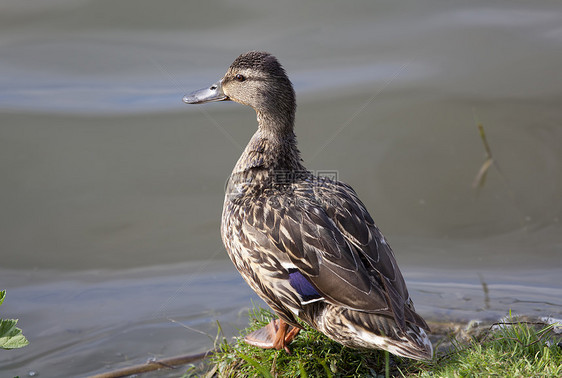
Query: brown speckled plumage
x=307, y=244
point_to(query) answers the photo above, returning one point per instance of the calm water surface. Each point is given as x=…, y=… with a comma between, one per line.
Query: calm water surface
x=111, y=189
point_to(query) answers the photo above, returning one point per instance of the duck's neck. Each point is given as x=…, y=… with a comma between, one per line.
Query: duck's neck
x=273, y=148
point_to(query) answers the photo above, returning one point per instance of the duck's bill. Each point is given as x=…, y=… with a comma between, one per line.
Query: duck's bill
x=213, y=93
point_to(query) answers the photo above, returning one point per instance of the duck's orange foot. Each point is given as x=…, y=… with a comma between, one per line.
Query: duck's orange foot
x=277, y=334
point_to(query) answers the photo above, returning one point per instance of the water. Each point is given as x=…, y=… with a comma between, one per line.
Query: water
x=112, y=189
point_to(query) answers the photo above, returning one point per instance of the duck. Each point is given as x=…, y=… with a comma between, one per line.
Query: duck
x=305, y=243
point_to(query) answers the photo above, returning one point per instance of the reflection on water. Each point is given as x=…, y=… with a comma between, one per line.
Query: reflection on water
x=103, y=169
x=103, y=318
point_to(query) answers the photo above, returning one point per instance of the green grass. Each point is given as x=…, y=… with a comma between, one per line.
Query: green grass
x=511, y=348
x=313, y=355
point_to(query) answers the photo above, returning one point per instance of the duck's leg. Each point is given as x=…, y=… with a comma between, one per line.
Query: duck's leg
x=263, y=337
x=285, y=335
x=291, y=334
x=277, y=334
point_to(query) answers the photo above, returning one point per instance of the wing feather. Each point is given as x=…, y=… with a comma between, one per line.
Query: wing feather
x=329, y=236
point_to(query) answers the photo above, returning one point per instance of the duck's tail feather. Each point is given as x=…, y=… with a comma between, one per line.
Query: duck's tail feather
x=363, y=330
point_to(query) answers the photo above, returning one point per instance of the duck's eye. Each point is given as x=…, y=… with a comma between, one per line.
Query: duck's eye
x=240, y=78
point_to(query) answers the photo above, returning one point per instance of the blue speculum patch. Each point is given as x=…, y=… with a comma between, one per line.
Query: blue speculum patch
x=303, y=286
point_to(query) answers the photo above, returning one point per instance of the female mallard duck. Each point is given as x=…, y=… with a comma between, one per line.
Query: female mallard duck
x=306, y=244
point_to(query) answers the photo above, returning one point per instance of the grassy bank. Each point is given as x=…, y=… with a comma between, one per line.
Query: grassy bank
x=509, y=348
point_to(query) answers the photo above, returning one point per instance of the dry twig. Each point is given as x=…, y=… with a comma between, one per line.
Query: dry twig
x=165, y=363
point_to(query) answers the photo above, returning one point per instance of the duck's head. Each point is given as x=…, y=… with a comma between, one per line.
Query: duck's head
x=255, y=79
